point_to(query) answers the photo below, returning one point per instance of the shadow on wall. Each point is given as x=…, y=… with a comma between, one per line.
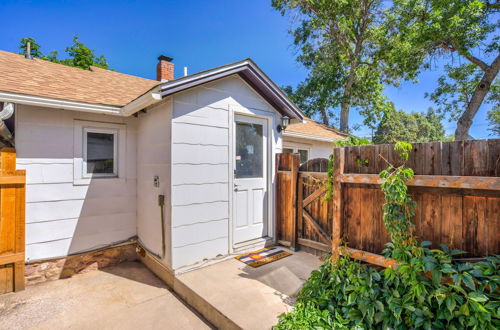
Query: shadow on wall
x=65, y=212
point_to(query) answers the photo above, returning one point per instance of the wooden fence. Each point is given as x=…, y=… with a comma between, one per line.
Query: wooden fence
x=456, y=187
x=12, y=208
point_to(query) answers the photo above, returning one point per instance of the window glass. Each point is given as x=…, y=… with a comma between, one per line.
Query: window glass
x=287, y=151
x=249, y=151
x=100, y=153
x=303, y=156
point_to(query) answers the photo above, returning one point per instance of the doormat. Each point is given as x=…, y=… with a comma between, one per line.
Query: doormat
x=263, y=256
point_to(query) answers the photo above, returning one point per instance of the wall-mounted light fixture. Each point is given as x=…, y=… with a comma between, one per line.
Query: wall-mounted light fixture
x=285, y=121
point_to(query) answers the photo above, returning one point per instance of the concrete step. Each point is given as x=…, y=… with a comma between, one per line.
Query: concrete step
x=232, y=295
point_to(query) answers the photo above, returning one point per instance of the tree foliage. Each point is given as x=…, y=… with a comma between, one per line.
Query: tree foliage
x=350, y=48
x=456, y=89
x=414, y=127
x=467, y=29
x=494, y=119
x=79, y=55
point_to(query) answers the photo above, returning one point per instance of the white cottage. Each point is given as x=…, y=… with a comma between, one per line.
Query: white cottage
x=185, y=167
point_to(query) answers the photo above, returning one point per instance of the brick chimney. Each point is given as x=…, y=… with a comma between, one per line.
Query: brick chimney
x=165, y=68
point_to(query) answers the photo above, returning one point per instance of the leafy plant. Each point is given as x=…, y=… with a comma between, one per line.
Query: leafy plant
x=345, y=294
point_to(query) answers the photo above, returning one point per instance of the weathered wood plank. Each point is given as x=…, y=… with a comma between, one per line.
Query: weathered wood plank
x=11, y=258
x=314, y=244
x=337, y=200
x=315, y=225
x=371, y=258
x=315, y=195
x=12, y=179
x=12, y=222
x=293, y=196
x=436, y=181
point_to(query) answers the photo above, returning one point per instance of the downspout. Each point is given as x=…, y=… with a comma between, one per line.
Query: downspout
x=6, y=113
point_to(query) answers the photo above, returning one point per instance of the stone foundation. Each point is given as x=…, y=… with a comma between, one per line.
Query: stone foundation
x=53, y=269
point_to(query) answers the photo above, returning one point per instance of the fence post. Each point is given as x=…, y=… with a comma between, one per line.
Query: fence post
x=338, y=170
x=12, y=210
x=294, y=169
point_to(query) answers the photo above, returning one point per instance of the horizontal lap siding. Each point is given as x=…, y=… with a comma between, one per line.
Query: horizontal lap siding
x=154, y=159
x=200, y=165
x=63, y=218
x=201, y=122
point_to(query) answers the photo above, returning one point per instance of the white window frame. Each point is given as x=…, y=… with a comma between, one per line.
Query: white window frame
x=295, y=149
x=81, y=127
x=111, y=131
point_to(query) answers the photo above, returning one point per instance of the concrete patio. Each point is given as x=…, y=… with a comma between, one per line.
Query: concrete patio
x=126, y=296
x=235, y=296
x=228, y=294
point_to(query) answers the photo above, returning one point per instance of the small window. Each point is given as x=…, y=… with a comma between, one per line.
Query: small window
x=287, y=151
x=304, y=155
x=99, y=153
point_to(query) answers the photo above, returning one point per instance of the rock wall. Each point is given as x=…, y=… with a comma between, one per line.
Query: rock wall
x=53, y=269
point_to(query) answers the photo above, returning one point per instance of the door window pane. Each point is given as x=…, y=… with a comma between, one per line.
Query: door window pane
x=249, y=151
x=100, y=153
x=303, y=156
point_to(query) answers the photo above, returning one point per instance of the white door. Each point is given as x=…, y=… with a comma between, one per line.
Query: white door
x=250, y=178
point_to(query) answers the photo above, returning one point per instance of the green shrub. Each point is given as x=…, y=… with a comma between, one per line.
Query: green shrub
x=351, y=295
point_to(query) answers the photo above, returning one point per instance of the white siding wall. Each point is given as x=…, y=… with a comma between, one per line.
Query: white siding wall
x=317, y=149
x=201, y=166
x=61, y=217
x=153, y=159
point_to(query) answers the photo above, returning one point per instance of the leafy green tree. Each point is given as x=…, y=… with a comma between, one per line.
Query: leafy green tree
x=34, y=48
x=456, y=89
x=414, y=127
x=350, y=48
x=494, y=119
x=464, y=28
x=80, y=56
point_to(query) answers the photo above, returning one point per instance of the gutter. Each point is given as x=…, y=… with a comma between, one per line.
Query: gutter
x=142, y=102
x=59, y=104
x=6, y=113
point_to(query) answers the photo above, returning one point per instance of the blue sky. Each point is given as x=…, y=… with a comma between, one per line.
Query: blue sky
x=197, y=34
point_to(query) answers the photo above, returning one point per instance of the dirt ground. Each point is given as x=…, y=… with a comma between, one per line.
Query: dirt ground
x=126, y=296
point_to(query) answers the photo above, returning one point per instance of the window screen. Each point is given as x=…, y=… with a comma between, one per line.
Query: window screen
x=101, y=153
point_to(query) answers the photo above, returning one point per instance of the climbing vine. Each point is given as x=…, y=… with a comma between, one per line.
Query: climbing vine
x=399, y=207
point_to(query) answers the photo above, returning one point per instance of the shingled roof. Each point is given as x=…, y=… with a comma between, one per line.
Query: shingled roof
x=46, y=79
x=313, y=128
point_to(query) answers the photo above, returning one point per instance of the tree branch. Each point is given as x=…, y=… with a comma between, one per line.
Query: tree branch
x=477, y=62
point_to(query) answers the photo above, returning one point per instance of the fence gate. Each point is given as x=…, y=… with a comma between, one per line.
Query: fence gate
x=12, y=208
x=305, y=202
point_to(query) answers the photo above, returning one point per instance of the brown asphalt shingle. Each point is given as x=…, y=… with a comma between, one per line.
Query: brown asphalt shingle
x=46, y=79
x=312, y=127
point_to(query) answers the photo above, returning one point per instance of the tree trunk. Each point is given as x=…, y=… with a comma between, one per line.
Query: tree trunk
x=465, y=121
x=324, y=117
x=344, y=116
x=346, y=101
